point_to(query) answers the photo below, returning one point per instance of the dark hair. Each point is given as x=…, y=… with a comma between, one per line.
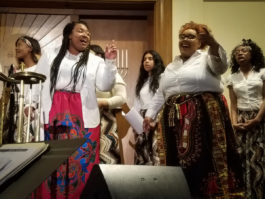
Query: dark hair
x=34, y=45
x=80, y=65
x=257, y=57
x=199, y=28
x=159, y=68
x=97, y=50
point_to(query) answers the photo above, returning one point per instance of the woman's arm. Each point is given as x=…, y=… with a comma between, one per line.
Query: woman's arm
x=217, y=57
x=107, y=70
x=260, y=115
x=233, y=107
x=117, y=99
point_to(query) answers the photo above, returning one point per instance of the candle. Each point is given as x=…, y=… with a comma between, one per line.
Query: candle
x=118, y=58
x=126, y=58
x=122, y=58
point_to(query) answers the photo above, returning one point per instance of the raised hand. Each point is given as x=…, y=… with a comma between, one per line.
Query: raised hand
x=207, y=38
x=111, y=50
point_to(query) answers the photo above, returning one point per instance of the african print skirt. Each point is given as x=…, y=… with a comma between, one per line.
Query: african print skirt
x=66, y=122
x=252, y=143
x=198, y=137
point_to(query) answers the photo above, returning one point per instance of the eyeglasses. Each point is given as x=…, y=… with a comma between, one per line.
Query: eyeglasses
x=187, y=36
x=243, y=50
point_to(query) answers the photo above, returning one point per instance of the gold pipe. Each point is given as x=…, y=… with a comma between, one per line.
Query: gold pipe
x=2, y=114
x=37, y=132
x=20, y=113
x=21, y=109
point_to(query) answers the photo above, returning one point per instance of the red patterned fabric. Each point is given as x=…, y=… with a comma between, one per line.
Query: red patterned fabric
x=66, y=122
x=199, y=138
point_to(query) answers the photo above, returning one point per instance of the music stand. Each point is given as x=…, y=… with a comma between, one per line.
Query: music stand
x=28, y=179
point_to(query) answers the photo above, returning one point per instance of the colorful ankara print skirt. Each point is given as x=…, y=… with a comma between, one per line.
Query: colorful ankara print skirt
x=252, y=143
x=198, y=137
x=69, y=179
x=109, y=139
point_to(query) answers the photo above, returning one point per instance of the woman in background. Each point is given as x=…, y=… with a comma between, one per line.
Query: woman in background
x=28, y=52
x=246, y=86
x=152, y=66
x=108, y=103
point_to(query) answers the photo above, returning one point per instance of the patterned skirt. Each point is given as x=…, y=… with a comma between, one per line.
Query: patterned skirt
x=109, y=142
x=252, y=143
x=66, y=122
x=198, y=137
x=146, y=147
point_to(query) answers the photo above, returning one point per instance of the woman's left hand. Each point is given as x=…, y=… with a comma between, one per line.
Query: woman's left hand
x=111, y=51
x=250, y=123
x=208, y=39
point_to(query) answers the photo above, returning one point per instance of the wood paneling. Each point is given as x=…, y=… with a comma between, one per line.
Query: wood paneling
x=163, y=29
x=162, y=34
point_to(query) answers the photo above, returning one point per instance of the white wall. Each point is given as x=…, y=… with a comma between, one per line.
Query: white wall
x=229, y=21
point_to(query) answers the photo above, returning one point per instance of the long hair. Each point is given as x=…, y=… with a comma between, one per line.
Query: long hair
x=158, y=68
x=257, y=57
x=80, y=65
x=34, y=45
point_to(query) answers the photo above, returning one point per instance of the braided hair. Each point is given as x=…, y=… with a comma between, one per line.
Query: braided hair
x=77, y=69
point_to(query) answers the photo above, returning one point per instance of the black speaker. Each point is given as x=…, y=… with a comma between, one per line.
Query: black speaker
x=136, y=182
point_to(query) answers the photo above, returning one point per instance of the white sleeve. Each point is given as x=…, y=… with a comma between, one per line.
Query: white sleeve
x=105, y=76
x=137, y=104
x=218, y=65
x=157, y=102
x=118, y=96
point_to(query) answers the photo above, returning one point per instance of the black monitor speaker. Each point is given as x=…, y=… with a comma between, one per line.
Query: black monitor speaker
x=136, y=182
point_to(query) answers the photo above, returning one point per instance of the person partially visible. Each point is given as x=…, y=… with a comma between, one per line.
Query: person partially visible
x=152, y=66
x=97, y=50
x=195, y=121
x=69, y=106
x=246, y=86
x=28, y=52
x=108, y=103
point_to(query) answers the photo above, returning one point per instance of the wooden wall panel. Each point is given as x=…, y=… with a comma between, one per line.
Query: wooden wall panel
x=18, y=23
x=36, y=24
x=28, y=20
x=2, y=28
x=54, y=32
